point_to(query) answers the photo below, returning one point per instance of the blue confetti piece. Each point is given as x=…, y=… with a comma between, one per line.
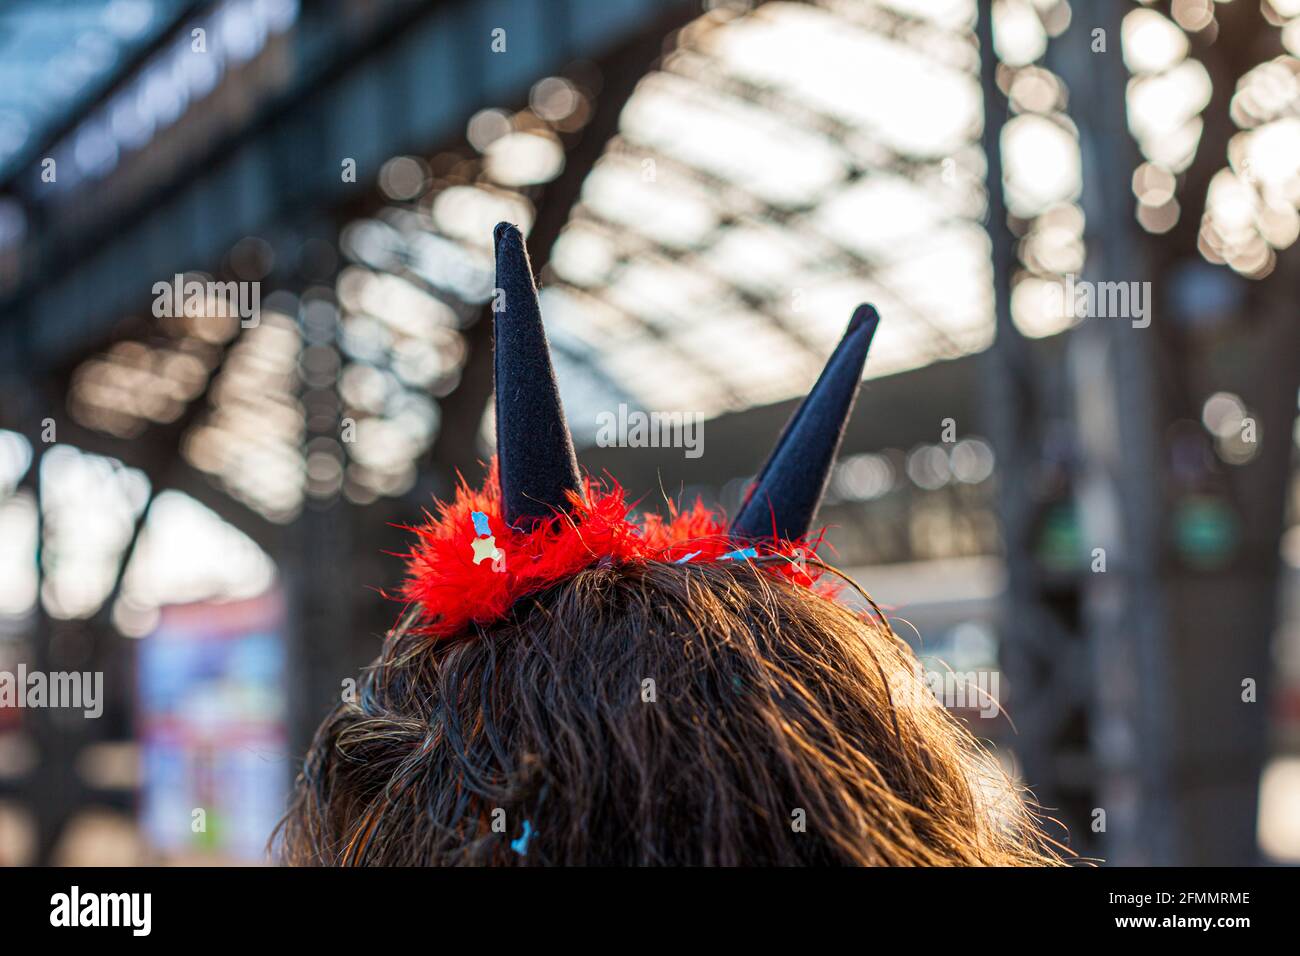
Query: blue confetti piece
x=481, y=526
x=520, y=846
x=739, y=554
x=693, y=554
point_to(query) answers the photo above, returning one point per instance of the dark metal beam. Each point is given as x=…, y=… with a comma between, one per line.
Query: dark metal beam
x=1039, y=651
x=1180, y=749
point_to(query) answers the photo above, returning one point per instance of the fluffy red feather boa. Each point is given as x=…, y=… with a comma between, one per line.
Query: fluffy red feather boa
x=455, y=583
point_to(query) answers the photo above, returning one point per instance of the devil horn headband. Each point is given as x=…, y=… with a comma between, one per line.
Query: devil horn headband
x=534, y=450
x=790, y=486
x=488, y=548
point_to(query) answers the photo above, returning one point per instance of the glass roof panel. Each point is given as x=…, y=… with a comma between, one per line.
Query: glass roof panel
x=753, y=197
x=823, y=60
x=670, y=210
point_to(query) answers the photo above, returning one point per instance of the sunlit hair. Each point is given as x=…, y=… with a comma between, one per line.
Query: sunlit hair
x=780, y=729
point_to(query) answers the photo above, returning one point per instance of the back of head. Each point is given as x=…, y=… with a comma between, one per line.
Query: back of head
x=654, y=713
x=668, y=691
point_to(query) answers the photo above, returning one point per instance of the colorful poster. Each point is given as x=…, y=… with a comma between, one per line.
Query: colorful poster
x=212, y=727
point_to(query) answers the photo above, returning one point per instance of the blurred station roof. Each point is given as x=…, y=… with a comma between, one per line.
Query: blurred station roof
x=765, y=168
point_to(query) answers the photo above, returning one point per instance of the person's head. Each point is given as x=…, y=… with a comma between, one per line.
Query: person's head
x=573, y=687
x=654, y=714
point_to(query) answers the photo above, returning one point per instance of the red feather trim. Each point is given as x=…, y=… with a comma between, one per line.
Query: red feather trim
x=453, y=590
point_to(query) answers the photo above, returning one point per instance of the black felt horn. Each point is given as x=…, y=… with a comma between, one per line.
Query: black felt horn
x=534, y=448
x=791, y=484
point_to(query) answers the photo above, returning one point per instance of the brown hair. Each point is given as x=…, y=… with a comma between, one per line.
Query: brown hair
x=780, y=729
